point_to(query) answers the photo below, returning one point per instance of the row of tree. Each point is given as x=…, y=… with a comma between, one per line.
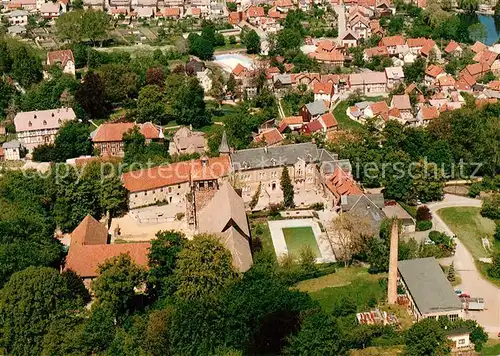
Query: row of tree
x=194, y=302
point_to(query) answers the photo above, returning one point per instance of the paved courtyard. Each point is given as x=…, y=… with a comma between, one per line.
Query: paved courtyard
x=142, y=224
x=280, y=247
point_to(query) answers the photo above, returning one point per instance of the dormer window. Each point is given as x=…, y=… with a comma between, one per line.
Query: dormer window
x=30, y=124
x=34, y=116
x=53, y=115
x=59, y=121
x=44, y=122
x=273, y=161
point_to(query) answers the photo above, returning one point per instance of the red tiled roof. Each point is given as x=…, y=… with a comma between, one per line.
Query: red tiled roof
x=416, y=42
x=85, y=259
x=494, y=85
x=402, y=102
x=291, y=120
x=195, y=11
x=334, y=56
x=477, y=68
x=376, y=51
x=313, y=126
x=341, y=183
x=89, y=232
x=323, y=88
x=329, y=120
x=428, y=46
x=62, y=57
x=270, y=137
x=452, y=46
x=461, y=84
x=446, y=80
x=478, y=47
x=395, y=112
x=172, y=11
x=467, y=78
x=392, y=41
x=485, y=56
x=238, y=70
x=326, y=46
x=429, y=112
x=113, y=132
x=434, y=70
x=176, y=173
x=379, y=107
x=256, y=11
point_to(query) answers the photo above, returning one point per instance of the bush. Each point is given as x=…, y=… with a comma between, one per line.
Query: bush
x=440, y=238
x=317, y=206
x=491, y=207
x=497, y=231
x=424, y=225
x=423, y=213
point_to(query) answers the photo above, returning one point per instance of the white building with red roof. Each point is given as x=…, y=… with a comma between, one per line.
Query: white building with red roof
x=108, y=138
x=64, y=59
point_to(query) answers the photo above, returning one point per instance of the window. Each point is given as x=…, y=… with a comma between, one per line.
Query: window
x=179, y=186
x=453, y=317
x=44, y=122
x=145, y=193
x=461, y=341
x=170, y=189
x=135, y=195
x=30, y=124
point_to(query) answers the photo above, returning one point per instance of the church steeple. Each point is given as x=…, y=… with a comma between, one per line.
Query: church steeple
x=224, y=146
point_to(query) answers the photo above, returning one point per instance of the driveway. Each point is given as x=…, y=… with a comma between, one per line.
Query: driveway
x=340, y=10
x=472, y=281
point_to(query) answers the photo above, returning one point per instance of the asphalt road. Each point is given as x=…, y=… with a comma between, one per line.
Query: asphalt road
x=472, y=281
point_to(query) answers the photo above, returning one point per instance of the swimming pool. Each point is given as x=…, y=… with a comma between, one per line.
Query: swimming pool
x=231, y=60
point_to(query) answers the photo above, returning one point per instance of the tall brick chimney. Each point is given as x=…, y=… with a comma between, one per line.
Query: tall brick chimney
x=392, y=285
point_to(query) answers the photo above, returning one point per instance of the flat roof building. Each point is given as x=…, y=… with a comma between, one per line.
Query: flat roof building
x=429, y=293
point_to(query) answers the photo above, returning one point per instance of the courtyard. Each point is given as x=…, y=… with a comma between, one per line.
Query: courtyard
x=291, y=236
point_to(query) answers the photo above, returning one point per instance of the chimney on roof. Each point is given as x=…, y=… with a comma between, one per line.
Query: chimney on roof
x=392, y=285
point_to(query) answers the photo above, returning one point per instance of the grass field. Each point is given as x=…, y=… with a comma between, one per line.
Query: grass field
x=492, y=348
x=345, y=123
x=469, y=226
x=298, y=237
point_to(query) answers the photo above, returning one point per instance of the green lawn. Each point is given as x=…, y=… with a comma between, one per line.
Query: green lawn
x=298, y=237
x=469, y=226
x=345, y=123
x=492, y=348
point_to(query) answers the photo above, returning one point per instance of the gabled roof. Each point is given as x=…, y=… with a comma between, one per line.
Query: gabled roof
x=434, y=70
x=367, y=78
x=323, y=88
x=60, y=57
x=43, y=119
x=395, y=73
x=329, y=120
x=427, y=47
x=269, y=137
x=379, y=107
x=226, y=217
x=89, y=232
x=485, y=56
x=256, y=11
x=317, y=107
x=416, y=42
x=176, y=173
x=350, y=35
x=376, y=51
x=478, y=47
x=291, y=120
x=239, y=69
x=392, y=41
x=84, y=260
x=113, y=132
x=429, y=112
x=446, y=80
x=452, y=46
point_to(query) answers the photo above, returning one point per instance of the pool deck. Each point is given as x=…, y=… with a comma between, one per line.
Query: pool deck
x=276, y=229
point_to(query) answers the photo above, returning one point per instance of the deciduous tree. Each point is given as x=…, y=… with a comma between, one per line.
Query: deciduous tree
x=150, y=105
x=28, y=303
x=203, y=267
x=91, y=96
x=426, y=338
x=115, y=286
x=252, y=42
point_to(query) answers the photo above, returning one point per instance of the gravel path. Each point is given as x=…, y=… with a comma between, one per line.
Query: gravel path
x=472, y=281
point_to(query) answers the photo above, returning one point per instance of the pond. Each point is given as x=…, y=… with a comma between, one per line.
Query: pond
x=492, y=28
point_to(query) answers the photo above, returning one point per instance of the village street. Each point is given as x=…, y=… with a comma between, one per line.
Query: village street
x=472, y=281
